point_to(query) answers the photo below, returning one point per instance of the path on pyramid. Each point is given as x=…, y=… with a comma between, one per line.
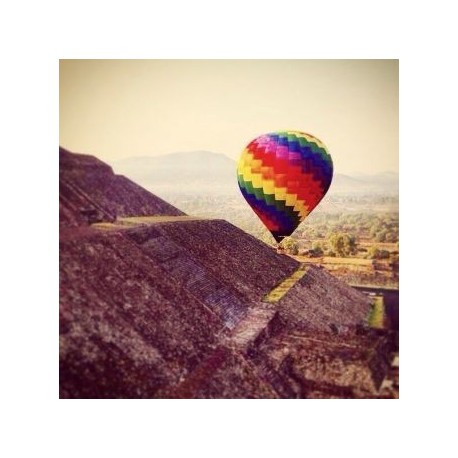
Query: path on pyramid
x=280, y=290
x=133, y=221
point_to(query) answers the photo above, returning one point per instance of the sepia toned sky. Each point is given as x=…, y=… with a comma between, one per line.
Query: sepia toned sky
x=114, y=109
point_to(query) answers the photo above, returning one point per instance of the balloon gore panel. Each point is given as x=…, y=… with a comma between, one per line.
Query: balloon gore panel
x=283, y=176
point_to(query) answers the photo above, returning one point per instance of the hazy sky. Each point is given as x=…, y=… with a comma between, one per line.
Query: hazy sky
x=119, y=108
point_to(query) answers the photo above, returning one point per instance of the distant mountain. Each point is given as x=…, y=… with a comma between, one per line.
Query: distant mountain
x=201, y=172
x=381, y=183
x=207, y=173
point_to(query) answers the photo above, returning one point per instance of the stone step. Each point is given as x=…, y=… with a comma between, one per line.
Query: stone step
x=247, y=330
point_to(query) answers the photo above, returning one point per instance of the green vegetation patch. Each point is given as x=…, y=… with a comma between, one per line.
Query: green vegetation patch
x=377, y=313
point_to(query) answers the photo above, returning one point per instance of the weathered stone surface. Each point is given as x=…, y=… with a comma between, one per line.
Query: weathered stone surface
x=174, y=309
x=89, y=191
x=320, y=364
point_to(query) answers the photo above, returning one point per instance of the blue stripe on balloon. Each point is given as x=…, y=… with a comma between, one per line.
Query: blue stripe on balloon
x=314, y=162
x=286, y=224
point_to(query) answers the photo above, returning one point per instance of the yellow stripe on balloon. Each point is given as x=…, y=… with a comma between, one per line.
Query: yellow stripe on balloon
x=245, y=161
x=240, y=167
x=248, y=158
x=300, y=207
x=303, y=214
x=243, y=156
x=268, y=186
x=246, y=173
x=280, y=193
x=256, y=165
x=291, y=199
x=256, y=179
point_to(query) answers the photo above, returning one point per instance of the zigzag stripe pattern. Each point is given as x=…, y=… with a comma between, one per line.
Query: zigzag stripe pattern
x=283, y=176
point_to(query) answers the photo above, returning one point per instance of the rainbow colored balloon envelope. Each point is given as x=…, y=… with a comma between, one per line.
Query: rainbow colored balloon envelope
x=283, y=177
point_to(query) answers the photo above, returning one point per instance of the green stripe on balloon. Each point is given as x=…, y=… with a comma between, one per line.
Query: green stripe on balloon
x=241, y=181
x=249, y=187
x=259, y=193
x=270, y=199
x=280, y=205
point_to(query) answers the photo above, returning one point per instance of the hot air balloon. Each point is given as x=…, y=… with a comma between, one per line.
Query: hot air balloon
x=283, y=176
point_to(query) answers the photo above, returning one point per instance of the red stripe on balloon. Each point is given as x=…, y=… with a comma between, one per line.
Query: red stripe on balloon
x=284, y=167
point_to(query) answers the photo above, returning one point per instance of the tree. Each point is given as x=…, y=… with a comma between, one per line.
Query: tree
x=374, y=253
x=394, y=262
x=290, y=245
x=342, y=244
x=381, y=235
x=317, y=249
x=374, y=229
x=391, y=236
